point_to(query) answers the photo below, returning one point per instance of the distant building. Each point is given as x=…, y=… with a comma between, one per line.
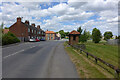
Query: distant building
x=5, y=31
x=74, y=37
x=50, y=35
x=25, y=31
x=113, y=41
x=58, y=36
x=114, y=37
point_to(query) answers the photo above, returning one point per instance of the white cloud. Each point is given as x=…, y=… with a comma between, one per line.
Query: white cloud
x=59, y=9
x=73, y=11
x=102, y=25
x=80, y=16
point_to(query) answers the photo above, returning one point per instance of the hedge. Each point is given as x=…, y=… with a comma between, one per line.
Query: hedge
x=9, y=38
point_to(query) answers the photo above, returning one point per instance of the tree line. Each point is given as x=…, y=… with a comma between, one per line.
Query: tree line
x=95, y=36
x=85, y=35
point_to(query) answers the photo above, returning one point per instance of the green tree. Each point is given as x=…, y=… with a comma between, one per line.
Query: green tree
x=62, y=33
x=89, y=36
x=80, y=30
x=84, y=36
x=108, y=35
x=6, y=28
x=96, y=35
x=66, y=33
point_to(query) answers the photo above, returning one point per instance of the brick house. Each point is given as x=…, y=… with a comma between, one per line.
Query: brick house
x=74, y=37
x=50, y=35
x=5, y=31
x=25, y=31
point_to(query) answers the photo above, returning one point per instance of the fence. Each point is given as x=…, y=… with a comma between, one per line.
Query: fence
x=117, y=70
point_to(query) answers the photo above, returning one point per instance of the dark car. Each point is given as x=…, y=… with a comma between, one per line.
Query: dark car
x=42, y=39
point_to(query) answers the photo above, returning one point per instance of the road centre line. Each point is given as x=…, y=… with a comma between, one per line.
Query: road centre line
x=16, y=52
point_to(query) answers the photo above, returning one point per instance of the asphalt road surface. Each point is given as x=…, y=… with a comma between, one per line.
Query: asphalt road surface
x=45, y=59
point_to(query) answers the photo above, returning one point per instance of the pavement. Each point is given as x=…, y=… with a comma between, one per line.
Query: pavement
x=45, y=59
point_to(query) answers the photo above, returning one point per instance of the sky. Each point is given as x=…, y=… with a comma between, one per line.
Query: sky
x=67, y=16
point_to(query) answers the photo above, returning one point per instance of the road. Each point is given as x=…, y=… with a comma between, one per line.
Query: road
x=45, y=59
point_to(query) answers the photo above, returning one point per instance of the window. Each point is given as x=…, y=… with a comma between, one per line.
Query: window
x=74, y=38
x=32, y=30
x=51, y=37
x=35, y=31
x=51, y=34
x=28, y=29
x=48, y=34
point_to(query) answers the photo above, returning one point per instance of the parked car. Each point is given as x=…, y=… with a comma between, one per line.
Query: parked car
x=37, y=40
x=42, y=39
x=32, y=40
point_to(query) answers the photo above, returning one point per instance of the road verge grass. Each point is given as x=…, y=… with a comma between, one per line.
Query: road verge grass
x=85, y=67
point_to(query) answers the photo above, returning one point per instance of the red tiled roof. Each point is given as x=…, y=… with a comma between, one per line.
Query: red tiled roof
x=50, y=32
x=5, y=31
x=74, y=32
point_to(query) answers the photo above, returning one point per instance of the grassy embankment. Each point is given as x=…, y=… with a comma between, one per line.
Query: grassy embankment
x=87, y=67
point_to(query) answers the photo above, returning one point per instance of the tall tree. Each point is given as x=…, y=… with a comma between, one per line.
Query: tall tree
x=96, y=35
x=88, y=35
x=84, y=36
x=80, y=30
x=108, y=35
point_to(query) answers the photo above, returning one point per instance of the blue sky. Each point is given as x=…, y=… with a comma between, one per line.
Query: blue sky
x=68, y=15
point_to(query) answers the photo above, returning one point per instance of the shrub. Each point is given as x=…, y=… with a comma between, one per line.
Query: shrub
x=9, y=38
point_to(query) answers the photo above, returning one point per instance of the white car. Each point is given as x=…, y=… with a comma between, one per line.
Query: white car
x=32, y=40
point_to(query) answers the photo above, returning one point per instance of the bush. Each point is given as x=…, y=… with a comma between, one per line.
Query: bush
x=9, y=38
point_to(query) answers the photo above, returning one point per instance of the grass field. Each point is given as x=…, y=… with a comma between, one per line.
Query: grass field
x=108, y=53
x=86, y=67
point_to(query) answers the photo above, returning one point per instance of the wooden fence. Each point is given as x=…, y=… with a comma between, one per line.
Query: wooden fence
x=117, y=70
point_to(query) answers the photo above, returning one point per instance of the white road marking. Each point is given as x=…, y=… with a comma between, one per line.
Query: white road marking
x=16, y=53
x=19, y=44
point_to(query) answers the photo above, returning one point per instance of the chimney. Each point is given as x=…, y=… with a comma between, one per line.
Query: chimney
x=27, y=22
x=18, y=19
x=38, y=26
x=33, y=24
x=47, y=29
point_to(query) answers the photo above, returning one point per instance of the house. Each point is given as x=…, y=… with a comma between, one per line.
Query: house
x=58, y=36
x=74, y=37
x=50, y=35
x=5, y=31
x=24, y=31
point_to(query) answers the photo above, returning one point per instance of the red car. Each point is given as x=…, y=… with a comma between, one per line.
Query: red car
x=37, y=40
